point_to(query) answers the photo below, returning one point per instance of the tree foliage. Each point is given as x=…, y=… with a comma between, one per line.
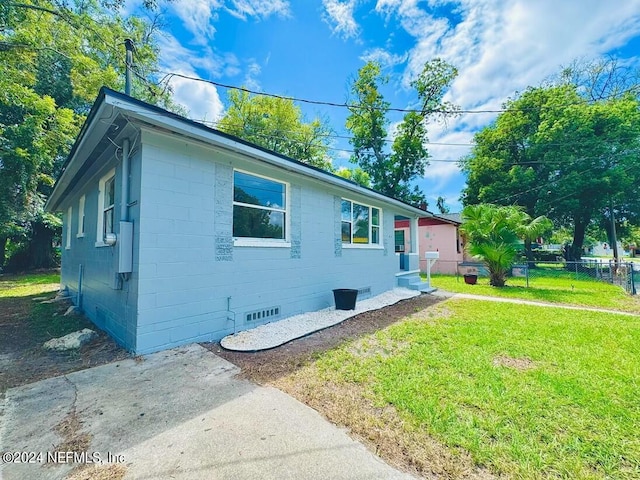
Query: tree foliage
x=277, y=124
x=54, y=57
x=558, y=152
x=493, y=232
x=393, y=170
x=356, y=175
x=441, y=205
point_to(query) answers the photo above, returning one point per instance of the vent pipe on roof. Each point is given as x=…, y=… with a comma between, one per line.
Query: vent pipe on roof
x=128, y=45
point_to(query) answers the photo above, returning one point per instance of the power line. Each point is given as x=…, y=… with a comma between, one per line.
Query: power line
x=216, y=124
x=168, y=75
x=550, y=183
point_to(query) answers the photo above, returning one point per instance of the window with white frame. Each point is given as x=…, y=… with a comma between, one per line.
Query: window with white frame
x=360, y=223
x=259, y=207
x=69, y=219
x=106, y=206
x=81, y=217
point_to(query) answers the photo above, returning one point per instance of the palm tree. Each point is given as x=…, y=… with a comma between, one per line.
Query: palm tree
x=492, y=234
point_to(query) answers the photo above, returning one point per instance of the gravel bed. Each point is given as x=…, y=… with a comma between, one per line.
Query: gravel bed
x=271, y=335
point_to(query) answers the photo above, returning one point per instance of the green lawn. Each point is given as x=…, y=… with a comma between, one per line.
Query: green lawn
x=28, y=284
x=550, y=286
x=41, y=321
x=567, y=408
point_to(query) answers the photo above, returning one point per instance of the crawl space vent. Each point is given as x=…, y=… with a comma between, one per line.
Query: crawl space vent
x=263, y=314
x=364, y=292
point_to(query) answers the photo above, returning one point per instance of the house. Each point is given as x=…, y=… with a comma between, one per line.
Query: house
x=436, y=233
x=174, y=232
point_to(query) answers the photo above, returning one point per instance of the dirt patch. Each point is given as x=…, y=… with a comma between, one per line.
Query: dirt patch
x=73, y=438
x=269, y=365
x=98, y=472
x=515, y=363
x=26, y=324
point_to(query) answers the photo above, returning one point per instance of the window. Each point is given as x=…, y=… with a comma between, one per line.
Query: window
x=106, y=207
x=259, y=208
x=69, y=219
x=81, y=217
x=360, y=223
x=399, y=234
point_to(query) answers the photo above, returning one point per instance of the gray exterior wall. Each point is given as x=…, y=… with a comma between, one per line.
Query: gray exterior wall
x=193, y=282
x=113, y=310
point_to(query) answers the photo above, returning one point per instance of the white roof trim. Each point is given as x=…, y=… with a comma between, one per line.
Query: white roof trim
x=136, y=109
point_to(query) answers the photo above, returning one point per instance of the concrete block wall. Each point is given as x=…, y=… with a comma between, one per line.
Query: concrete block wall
x=113, y=310
x=196, y=285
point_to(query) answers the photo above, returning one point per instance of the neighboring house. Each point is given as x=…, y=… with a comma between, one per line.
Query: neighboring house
x=175, y=233
x=436, y=233
x=604, y=249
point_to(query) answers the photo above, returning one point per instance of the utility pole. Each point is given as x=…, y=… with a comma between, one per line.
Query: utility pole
x=128, y=45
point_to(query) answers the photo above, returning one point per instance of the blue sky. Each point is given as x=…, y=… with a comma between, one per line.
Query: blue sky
x=312, y=49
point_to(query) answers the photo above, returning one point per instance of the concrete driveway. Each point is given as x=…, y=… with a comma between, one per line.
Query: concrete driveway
x=179, y=414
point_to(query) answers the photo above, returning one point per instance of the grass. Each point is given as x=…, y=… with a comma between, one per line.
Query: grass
x=553, y=286
x=29, y=284
x=43, y=320
x=527, y=392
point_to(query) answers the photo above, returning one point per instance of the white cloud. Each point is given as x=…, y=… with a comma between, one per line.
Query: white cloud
x=501, y=47
x=340, y=16
x=250, y=81
x=259, y=8
x=383, y=57
x=198, y=16
x=201, y=99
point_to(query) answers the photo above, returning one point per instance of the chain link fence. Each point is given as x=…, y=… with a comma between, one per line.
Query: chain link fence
x=623, y=274
x=528, y=274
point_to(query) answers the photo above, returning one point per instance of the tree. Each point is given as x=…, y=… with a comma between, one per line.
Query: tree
x=554, y=152
x=53, y=60
x=356, y=175
x=601, y=78
x=442, y=207
x=277, y=124
x=492, y=233
x=393, y=170
x=529, y=229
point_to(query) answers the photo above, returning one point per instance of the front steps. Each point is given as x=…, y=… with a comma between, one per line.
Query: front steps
x=414, y=282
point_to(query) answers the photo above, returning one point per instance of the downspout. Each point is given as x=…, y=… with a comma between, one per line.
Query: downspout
x=125, y=256
x=124, y=205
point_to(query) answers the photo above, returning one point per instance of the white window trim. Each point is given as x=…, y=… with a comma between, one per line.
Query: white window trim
x=366, y=246
x=103, y=180
x=69, y=221
x=370, y=246
x=81, y=218
x=265, y=242
x=260, y=242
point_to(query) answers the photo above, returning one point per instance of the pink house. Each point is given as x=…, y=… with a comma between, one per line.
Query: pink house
x=438, y=233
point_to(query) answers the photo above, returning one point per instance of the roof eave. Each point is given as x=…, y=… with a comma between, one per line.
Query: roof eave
x=154, y=115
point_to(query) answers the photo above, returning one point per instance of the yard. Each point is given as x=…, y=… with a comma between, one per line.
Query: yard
x=455, y=389
x=26, y=323
x=548, y=285
x=475, y=389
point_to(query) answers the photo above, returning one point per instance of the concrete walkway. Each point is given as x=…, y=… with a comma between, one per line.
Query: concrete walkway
x=179, y=414
x=445, y=294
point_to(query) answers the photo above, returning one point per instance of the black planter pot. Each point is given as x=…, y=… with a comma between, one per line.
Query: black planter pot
x=470, y=279
x=345, y=298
